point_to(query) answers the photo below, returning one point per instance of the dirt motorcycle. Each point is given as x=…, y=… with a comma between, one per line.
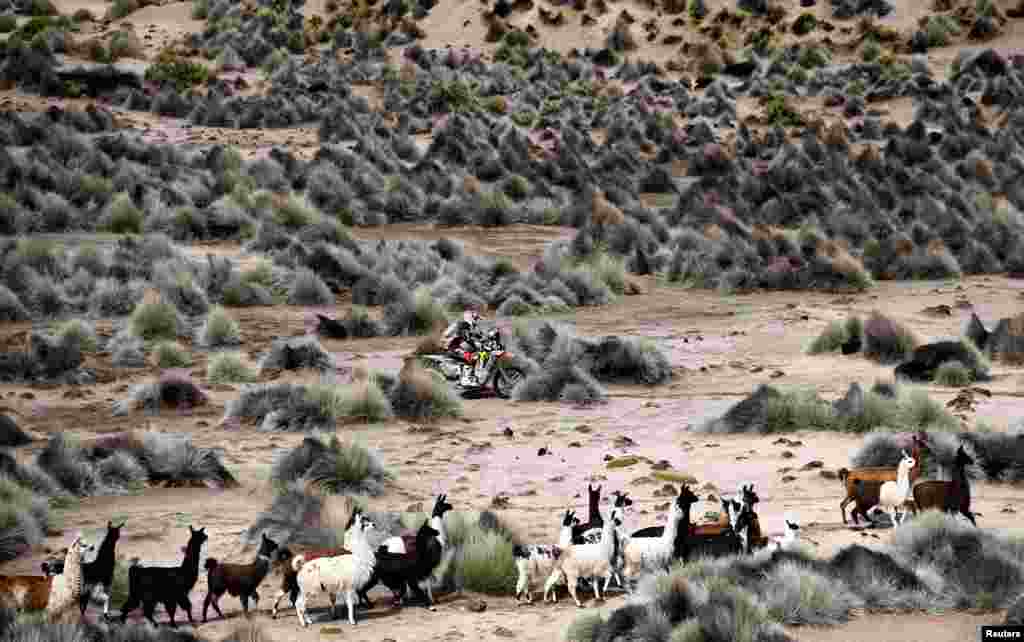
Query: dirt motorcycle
x=498, y=372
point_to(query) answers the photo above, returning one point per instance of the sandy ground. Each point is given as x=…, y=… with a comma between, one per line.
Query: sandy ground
x=741, y=334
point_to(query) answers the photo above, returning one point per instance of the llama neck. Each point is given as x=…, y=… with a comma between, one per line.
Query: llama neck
x=73, y=565
x=437, y=523
x=361, y=545
x=903, y=480
x=191, y=562
x=669, y=534
x=608, y=535
x=106, y=552
x=565, y=536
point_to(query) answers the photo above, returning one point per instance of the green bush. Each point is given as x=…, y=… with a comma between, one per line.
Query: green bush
x=80, y=330
x=123, y=217
x=805, y=24
x=228, y=367
x=154, y=321
x=200, y=9
x=296, y=212
x=485, y=563
x=220, y=329
x=121, y=8
x=169, y=67
x=953, y=374
x=43, y=8
x=359, y=400
x=872, y=50
x=171, y=355
x=836, y=334
x=8, y=23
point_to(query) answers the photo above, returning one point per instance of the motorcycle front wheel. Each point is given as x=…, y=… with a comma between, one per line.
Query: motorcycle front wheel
x=506, y=380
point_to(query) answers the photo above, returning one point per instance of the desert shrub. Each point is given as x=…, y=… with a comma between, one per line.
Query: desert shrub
x=295, y=212
x=79, y=331
x=220, y=329
x=309, y=289
x=888, y=341
x=153, y=321
x=359, y=323
x=871, y=51
x=11, y=308
x=953, y=374
x=485, y=563
x=799, y=595
x=228, y=367
x=423, y=394
x=769, y=410
x=418, y=314
x=170, y=68
x=836, y=334
x=122, y=216
x=300, y=517
x=121, y=8
x=200, y=9
x=292, y=354
x=332, y=466
x=112, y=298
x=363, y=400
x=169, y=354
x=23, y=518
x=977, y=567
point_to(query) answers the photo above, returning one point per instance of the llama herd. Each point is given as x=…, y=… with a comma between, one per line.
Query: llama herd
x=601, y=549
x=597, y=549
x=897, y=491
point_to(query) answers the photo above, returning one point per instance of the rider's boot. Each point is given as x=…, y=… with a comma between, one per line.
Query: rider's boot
x=468, y=378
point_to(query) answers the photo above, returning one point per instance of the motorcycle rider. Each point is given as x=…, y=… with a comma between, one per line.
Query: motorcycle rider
x=462, y=340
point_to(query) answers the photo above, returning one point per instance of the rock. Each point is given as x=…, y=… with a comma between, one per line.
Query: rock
x=828, y=474
x=786, y=454
x=575, y=444
x=787, y=479
x=476, y=606
x=777, y=374
x=502, y=632
x=811, y=465
x=661, y=465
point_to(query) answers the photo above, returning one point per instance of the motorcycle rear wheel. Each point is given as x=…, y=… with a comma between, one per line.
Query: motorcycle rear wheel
x=506, y=380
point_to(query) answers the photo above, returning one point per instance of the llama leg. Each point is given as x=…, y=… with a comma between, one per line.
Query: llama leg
x=596, y=581
x=206, y=604
x=300, y=609
x=105, y=596
x=245, y=605
x=572, y=580
x=842, y=509
x=277, y=600
x=83, y=599
x=128, y=607
x=186, y=604
x=350, y=600
x=171, y=608
x=521, y=584
x=216, y=606
x=334, y=603
x=149, y=609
